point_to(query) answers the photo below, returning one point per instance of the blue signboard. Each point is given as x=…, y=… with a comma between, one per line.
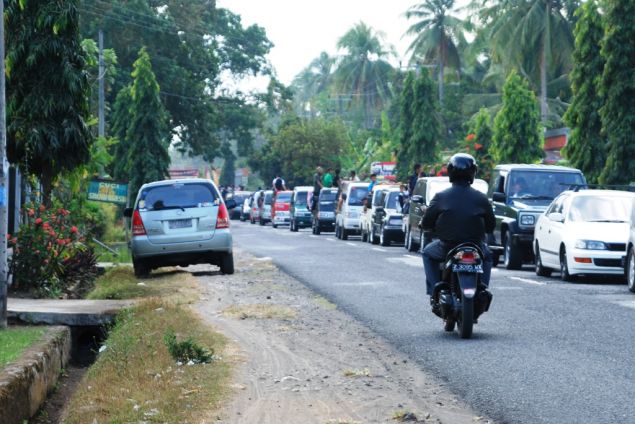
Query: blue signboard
x=108, y=191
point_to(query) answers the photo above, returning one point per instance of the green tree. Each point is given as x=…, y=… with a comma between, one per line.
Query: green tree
x=364, y=72
x=533, y=36
x=147, y=133
x=119, y=123
x=618, y=90
x=47, y=89
x=479, y=142
x=299, y=146
x=437, y=35
x=517, y=131
x=406, y=121
x=228, y=173
x=586, y=146
x=191, y=43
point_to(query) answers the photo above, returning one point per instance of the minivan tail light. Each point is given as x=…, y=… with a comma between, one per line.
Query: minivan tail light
x=137, y=224
x=222, y=220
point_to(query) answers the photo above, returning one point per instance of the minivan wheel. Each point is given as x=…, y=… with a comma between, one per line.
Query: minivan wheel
x=140, y=269
x=383, y=240
x=227, y=263
x=630, y=270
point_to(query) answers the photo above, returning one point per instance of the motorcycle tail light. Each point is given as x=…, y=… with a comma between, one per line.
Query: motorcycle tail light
x=467, y=257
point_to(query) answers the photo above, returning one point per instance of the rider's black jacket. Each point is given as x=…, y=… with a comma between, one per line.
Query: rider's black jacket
x=459, y=214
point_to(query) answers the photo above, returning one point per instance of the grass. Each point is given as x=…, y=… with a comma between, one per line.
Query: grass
x=325, y=303
x=120, y=283
x=260, y=311
x=357, y=373
x=404, y=416
x=15, y=340
x=123, y=256
x=136, y=379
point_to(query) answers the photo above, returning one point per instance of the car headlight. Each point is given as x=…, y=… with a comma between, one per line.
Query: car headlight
x=590, y=245
x=528, y=220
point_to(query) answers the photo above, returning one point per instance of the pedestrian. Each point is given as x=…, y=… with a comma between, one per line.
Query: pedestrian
x=403, y=199
x=278, y=184
x=373, y=181
x=353, y=176
x=337, y=179
x=412, y=180
x=317, y=187
x=327, y=180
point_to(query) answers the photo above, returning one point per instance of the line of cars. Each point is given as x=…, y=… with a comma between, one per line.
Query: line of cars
x=546, y=216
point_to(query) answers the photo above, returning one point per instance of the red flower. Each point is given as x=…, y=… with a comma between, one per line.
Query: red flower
x=38, y=221
x=61, y=242
x=478, y=146
x=31, y=212
x=46, y=261
x=74, y=230
x=42, y=208
x=470, y=137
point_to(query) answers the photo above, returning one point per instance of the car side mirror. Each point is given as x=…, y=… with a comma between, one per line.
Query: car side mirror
x=127, y=212
x=230, y=204
x=499, y=197
x=556, y=217
x=418, y=199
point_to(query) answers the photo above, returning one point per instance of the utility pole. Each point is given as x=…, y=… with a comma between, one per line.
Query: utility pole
x=4, y=172
x=102, y=120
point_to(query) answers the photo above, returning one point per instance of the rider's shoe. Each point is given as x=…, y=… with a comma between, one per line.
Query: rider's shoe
x=436, y=308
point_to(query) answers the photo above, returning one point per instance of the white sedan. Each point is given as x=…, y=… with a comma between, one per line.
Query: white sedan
x=584, y=232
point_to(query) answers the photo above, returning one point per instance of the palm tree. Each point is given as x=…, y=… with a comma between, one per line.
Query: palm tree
x=313, y=80
x=437, y=35
x=364, y=72
x=535, y=37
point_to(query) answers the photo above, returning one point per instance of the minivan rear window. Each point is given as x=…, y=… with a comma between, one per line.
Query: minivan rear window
x=283, y=197
x=176, y=196
x=357, y=196
x=328, y=196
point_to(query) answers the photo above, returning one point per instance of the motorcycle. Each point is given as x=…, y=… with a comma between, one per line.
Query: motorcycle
x=460, y=295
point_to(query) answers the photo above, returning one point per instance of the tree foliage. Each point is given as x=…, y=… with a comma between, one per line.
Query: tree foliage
x=517, y=132
x=147, y=134
x=586, y=146
x=299, y=147
x=191, y=43
x=47, y=89
x=478, y=142
x=618, y=90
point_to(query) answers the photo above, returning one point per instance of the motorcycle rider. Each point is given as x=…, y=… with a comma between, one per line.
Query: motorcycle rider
x=457, y=215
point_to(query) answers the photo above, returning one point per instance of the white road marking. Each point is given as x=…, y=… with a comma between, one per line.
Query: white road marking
x=314, y=236
x=626, y=303
x=264, y=258
x=327, y=239
x=505, y=288
x=362, y=284
x=351, y=244
x=409, y=260
x=379, y=249
x=528, y=281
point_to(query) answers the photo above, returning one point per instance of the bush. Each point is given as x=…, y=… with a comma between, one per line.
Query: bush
x=49, y=256
x=187, y=350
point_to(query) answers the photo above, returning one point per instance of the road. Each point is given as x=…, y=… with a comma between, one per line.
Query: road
x=546, y=352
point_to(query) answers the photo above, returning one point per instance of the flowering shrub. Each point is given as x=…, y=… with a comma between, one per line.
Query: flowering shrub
x=46, y=244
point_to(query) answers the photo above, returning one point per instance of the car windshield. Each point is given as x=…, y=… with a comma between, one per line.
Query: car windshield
x=541, y=185
x=600, y=209
x=300, y=197
x=328, y=196
x=393, y=200
x=268, y=198
x=177, y=196
x=357, y=196
x=283, y=197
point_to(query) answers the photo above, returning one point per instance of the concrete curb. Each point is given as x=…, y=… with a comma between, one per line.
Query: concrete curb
x=25, y=384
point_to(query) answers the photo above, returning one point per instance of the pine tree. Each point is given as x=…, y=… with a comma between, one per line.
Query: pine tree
x=406, y=115
x=618, y=90
x=517, y=131
x=120, y=122
x=586, y=147
x=147, y=133
x=425, y=127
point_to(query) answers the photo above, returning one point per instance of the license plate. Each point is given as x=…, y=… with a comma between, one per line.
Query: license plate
x=467, y=268
x=180, y=223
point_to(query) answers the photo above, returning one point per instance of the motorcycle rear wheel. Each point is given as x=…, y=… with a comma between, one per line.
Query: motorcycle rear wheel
x=466, y=319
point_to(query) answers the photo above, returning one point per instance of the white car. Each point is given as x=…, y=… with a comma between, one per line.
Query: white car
x=629, y=263
x=584, y=233
x=349, y=209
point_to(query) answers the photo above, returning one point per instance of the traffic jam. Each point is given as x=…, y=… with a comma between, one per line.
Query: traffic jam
x=546, y=216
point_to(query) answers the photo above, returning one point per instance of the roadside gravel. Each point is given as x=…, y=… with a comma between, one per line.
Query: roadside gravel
x=300, y=360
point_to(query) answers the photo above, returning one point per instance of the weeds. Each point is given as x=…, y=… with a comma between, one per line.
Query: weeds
x=357, y=373
x=186, y=351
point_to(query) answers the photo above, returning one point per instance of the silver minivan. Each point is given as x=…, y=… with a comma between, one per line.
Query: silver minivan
x=180, y=222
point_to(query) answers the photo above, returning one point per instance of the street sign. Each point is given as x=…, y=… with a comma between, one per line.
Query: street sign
x=108, y=191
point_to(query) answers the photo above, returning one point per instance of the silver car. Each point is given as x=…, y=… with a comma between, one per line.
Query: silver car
x=180, y=222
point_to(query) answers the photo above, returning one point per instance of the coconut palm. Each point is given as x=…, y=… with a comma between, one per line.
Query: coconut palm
x=364, y=72
x=437, y=35
x=535, y=37
x=313, y=80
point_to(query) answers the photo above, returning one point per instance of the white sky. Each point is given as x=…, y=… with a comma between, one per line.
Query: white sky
x=301, y=29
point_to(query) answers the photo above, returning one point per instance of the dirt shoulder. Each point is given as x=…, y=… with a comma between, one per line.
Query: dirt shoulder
x=298, y=359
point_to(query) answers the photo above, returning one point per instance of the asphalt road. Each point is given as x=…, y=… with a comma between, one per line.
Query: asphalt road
x=546, y=352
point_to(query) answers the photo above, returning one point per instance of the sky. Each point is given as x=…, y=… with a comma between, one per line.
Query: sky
x=302, y=29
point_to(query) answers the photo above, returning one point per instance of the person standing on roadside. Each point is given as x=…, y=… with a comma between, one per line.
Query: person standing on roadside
x=412, y=180
x=353, y=177
x=327, y=180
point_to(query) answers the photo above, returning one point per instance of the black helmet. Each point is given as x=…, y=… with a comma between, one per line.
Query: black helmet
x=462, y=167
